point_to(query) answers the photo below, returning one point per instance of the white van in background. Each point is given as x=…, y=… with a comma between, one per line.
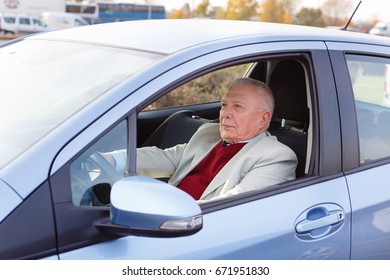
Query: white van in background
x=62, y=20
x=21, y=24
x=381, y=28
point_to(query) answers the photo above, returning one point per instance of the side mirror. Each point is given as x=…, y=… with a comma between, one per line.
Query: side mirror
x=149, y=207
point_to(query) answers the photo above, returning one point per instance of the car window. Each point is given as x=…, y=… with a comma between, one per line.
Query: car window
x=79, y=22
x=290, y=125
x=10, y=20
x=370, y=78
x=37, y=22
x=25, y=21
x=23, y=121
x=104, y=162
x=207, y=88
x=92, y=175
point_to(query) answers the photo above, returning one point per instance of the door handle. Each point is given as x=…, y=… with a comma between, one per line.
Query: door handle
x=331, y=218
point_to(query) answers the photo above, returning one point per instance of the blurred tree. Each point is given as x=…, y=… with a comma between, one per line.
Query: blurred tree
x=219, y=13
x=207, y=88
x=175, y=14
x=288, y=10
x=309, y=16
x=204, y=9
x=336, y=12
x=184, y=12
x=241, y=9
x=278, y=10
x=270, y=11
x=367, y=25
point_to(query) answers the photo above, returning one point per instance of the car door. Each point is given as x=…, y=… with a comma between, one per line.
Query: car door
x=365, y=127
x=307, y=218
x=9, y=23
x=25, y=24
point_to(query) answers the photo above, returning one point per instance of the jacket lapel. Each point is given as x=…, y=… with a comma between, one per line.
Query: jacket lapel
x=197, y=149
x=222, y=177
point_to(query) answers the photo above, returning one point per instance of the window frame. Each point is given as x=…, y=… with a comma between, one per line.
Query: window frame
x=349, y=128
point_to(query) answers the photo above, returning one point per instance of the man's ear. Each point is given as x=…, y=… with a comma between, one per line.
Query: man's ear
x=265, y=119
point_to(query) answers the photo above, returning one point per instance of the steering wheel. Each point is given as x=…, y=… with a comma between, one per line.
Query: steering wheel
x=102, y=175
x=107, y=171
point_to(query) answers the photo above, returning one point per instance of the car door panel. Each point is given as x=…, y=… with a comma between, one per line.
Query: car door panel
x=370, y=200
x=29, y=231
x=255, y=229
x=367, y=179
x=9, y=200
x=246, y=231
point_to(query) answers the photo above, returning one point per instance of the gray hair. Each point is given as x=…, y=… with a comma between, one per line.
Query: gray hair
x=262, y=88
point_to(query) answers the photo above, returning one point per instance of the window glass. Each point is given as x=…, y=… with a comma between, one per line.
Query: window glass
x=92, y=175
x=79, y=22
x=25, y=21
x=10, y=20
x=64, y=76
x=37, y=22
x=207, y=88
x=370, y=78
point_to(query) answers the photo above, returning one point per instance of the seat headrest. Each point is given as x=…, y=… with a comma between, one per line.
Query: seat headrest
x=288, y=85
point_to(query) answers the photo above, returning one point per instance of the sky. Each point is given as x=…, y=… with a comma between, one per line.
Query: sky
x=368, y=9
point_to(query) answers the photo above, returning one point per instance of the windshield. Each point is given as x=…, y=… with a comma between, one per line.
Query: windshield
x=43, y=83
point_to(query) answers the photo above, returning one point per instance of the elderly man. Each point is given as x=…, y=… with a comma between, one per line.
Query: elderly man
x=228, y=158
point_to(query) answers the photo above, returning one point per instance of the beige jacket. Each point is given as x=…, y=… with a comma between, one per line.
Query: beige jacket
x=260, y=163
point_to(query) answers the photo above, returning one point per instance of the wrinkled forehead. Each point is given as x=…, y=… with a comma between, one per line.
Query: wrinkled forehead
x=244, y=93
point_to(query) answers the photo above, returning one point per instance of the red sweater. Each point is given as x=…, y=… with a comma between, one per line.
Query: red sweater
x=200, y=177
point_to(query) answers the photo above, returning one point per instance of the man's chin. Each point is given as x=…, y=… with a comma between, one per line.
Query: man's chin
x=226, y=137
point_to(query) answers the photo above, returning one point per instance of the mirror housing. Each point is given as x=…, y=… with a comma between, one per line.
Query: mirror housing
x=149, y=207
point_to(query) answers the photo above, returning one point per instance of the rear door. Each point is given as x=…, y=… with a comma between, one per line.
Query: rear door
x=25, y=24
x=361, y=77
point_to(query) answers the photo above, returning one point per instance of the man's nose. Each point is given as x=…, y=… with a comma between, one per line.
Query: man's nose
x=226, y=112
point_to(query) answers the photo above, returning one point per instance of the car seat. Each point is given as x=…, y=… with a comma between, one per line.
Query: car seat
x=176, y=129
x=291, y=113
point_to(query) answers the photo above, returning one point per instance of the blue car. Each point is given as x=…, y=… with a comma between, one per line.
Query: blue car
x=71, y=95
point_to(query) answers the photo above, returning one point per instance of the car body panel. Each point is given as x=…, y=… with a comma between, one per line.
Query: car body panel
x=370, y=202
x=142, y=35
x=257, y=235
x=339, y=211
x=8, y=200
x=368, y=186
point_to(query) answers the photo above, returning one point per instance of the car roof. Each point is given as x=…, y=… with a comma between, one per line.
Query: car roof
x=171, y=35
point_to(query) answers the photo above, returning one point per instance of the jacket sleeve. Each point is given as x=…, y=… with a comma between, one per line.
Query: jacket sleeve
x=159, y=163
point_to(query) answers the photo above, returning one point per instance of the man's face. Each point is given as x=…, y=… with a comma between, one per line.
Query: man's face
x=241, y=117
